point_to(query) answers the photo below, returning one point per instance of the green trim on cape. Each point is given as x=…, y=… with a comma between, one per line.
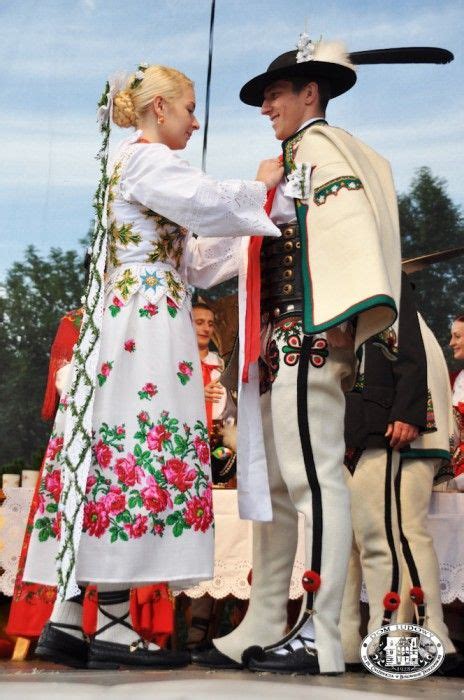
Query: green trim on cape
x=425, y=453
x=308, y=316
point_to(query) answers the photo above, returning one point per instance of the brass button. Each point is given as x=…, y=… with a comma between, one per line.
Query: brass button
x=288, y=232
x=288, y=260
x=288, y=274
x=287, y=289
x=276, y=312
x=298, y=244
x=288, y=245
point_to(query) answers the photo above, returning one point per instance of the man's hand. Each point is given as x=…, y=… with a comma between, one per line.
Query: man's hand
x=214, y=391
x=401, y=434
x=270, y=172
x=338, y=338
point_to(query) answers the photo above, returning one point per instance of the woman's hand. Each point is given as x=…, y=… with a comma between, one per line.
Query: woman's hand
x=270, y=172
x=214, y=391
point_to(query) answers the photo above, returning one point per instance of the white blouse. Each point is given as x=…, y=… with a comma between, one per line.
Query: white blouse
x=159, y=179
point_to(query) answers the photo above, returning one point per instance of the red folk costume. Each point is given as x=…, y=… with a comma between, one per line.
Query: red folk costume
x=32, y=604
x=457, y=383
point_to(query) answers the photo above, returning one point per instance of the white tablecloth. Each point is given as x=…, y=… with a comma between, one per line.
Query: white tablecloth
x=13, y=520
x=446, y=525
x=233, y=541
x=233, y=548
x=233, y=545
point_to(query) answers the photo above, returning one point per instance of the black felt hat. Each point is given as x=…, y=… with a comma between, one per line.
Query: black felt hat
x=338, y=70
x=339, y=73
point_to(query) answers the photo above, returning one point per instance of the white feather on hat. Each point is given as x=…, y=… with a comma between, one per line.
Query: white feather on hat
x=332, y=52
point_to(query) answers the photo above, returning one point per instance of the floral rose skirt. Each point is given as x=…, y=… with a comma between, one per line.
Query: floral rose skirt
x=148, y=513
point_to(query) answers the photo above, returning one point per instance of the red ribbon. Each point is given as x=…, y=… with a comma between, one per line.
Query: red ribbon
x=253, y=300
x=152, y=612
x=207, y=370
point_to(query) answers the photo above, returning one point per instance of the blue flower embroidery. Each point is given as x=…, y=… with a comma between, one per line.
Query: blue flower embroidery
x=151, y=280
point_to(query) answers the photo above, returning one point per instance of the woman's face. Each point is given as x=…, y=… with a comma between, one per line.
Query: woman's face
x=457, y=340
x=179, y=120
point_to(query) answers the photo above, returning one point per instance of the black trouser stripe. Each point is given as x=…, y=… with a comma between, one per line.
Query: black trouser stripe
x=310, y=468
x=414, y=574
x=308, y=457
x=388, y=526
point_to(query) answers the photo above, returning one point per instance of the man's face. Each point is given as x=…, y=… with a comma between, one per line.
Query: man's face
x=286, y=109
x=203, y=320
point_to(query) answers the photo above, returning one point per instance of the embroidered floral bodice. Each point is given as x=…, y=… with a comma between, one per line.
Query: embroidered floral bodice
x=155, y=202
x=137, y=234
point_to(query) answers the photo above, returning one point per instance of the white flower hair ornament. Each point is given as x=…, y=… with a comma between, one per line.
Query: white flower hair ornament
x=115, y=83
x=138, y=75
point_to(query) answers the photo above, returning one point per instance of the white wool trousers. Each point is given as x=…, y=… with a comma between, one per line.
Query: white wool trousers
x=415, y=482
x=376, y=553
x=303, y=421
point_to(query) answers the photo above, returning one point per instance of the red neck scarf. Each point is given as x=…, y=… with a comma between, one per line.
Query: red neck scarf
x=253, y=298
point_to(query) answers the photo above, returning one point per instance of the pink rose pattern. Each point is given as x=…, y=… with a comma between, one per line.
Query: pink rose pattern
x=172, y=307
x=105, y=371
x=148, y=391
x=185, y=371
x=129, y=345
x=160, y=484
x=115, y=306
x=48, y=522
x=148, y=311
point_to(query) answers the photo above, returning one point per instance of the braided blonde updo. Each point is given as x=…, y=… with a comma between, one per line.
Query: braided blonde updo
x=130, y=104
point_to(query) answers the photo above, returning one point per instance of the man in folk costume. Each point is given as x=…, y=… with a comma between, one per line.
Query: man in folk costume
x=397, y=428
x=331, y=282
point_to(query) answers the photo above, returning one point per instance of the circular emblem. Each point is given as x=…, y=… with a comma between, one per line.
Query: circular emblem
x=403, y=652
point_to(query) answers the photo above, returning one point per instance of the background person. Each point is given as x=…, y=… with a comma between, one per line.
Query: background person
x=397, y=427
x=457, y=380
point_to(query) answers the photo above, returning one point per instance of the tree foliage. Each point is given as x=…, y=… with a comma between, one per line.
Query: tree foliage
x=430, y=221
x=37, y=292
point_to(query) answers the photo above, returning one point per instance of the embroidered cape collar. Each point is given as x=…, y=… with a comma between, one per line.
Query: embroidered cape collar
x=289, y=145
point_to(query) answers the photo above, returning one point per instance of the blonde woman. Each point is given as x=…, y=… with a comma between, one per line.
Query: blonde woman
x=126, y=501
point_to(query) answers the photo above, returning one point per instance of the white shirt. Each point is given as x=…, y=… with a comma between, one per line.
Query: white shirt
x=283, y=207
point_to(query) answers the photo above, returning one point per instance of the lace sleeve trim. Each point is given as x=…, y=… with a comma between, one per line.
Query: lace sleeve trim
x=243, y=202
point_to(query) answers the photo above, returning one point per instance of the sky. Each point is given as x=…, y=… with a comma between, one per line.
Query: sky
x=57, y=54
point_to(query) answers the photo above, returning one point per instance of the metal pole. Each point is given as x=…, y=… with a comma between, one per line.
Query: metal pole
x=208, y=85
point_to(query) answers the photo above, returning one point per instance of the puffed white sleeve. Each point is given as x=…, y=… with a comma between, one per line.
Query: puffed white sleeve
x=159, y=179
x=210, y=261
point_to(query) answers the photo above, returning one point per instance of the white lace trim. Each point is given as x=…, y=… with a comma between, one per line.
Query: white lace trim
x=234, y=581
x=451, y=584
x=248, y=196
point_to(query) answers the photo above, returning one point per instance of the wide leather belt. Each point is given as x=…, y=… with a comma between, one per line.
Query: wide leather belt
x=281, y=285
